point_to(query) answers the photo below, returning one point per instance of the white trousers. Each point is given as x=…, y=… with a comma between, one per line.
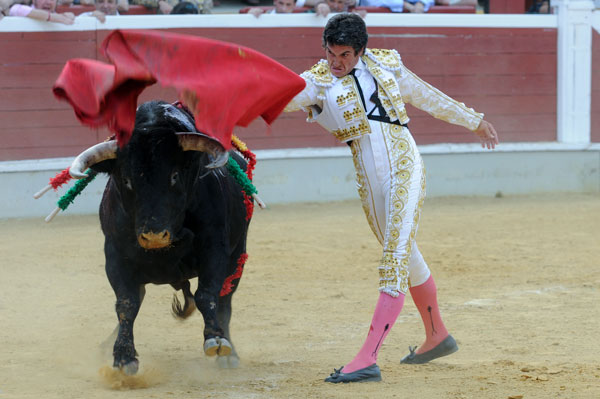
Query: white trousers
x=391, y=184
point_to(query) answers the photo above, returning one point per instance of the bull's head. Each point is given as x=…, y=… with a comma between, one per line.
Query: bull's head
x=153, y=178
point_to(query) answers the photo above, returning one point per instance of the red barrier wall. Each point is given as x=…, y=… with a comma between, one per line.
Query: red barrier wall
x=508, y=6
x=510, y=74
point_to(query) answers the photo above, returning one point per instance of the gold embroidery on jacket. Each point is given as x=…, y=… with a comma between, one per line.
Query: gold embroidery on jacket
x=388, y=90
x=386, y=58
x=321, y=73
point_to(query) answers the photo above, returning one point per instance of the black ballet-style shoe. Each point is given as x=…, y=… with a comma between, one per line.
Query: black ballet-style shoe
x=444, y=348
x=370, y=373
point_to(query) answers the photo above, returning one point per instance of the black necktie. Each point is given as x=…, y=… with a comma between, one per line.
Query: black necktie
x=362, y=97
x=383, y=116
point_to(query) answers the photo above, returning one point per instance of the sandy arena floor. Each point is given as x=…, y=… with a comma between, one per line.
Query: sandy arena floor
x=519, y=288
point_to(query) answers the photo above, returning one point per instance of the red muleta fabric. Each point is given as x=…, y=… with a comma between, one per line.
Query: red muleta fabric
x=224, y=84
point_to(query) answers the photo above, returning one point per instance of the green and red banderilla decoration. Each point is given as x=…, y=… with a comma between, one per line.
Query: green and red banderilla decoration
x=243, y=179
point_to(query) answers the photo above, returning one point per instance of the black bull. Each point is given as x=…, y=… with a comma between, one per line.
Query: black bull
x=168, y=218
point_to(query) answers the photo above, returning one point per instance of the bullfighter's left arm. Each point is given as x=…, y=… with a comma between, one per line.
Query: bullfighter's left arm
x=429, y=99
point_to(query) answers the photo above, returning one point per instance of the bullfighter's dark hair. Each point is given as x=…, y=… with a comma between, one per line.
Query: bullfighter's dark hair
x=346, y=29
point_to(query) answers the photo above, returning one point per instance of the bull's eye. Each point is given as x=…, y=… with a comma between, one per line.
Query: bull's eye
x=174, y=178
x=127, y=182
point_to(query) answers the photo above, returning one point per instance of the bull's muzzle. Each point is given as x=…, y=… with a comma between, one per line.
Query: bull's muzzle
x=153, y=240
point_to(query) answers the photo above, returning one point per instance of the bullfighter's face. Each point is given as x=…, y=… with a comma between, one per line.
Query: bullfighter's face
x=341, y=59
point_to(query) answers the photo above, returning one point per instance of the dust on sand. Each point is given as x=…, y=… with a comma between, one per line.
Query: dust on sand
x=518, y=281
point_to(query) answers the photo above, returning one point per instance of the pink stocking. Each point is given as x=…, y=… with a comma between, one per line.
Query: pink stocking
x=425, y=298
x=386, y=312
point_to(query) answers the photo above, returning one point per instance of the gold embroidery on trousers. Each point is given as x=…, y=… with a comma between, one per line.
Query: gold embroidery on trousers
x=394, y=270
x=361, y=184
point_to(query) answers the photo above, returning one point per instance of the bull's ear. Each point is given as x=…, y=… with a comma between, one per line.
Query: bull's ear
x=105, y=166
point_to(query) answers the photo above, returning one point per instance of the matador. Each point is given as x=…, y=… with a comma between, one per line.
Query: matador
x=359, y=95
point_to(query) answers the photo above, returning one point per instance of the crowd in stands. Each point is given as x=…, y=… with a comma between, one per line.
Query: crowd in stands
x=46, y=10
x=324, y=7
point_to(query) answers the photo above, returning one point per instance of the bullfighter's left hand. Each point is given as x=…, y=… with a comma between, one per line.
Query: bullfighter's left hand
x=487, y=135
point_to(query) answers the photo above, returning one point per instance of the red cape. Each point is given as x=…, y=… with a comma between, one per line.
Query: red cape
x=224, y=84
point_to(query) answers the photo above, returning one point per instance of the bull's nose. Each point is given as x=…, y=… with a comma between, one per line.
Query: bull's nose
x=153, y=240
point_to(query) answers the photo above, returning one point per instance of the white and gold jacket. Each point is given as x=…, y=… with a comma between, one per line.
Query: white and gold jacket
x=335, y=103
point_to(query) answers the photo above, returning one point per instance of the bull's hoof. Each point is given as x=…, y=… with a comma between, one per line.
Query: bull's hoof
x=228, y=362
x=217, y=346
x=130, y=368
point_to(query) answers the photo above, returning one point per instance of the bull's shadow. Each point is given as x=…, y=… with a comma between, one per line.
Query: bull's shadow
x=171, y=212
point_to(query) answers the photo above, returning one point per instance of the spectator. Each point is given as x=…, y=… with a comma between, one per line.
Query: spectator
x=325, y=7
x=103, y=8
x=4, y=7
x=42, y=10
x=456, y=2
x=185, y=7
x=122, y=5
x=166, y=6
x=281, y=7
x=413, y=6
x=539, y=7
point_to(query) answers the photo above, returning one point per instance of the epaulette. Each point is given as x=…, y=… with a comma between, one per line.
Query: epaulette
x=386, y=59
x=319, y=74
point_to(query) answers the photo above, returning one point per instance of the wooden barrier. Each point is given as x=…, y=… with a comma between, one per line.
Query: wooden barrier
x=507, y=6
x=510, y=74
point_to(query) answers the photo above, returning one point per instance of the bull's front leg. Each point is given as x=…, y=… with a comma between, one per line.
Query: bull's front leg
x=127, y=308
x=206, y=297
x=129, y=295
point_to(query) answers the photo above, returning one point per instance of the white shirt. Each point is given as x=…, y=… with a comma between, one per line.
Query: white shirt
x=367, y=84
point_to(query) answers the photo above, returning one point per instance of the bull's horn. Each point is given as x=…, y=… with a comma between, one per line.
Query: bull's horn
x=201, y=142
x=91, y=156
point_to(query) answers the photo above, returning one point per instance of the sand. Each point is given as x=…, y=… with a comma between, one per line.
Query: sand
x=518, y=281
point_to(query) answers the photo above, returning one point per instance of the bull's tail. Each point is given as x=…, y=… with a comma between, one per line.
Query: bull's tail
x=184, y=311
